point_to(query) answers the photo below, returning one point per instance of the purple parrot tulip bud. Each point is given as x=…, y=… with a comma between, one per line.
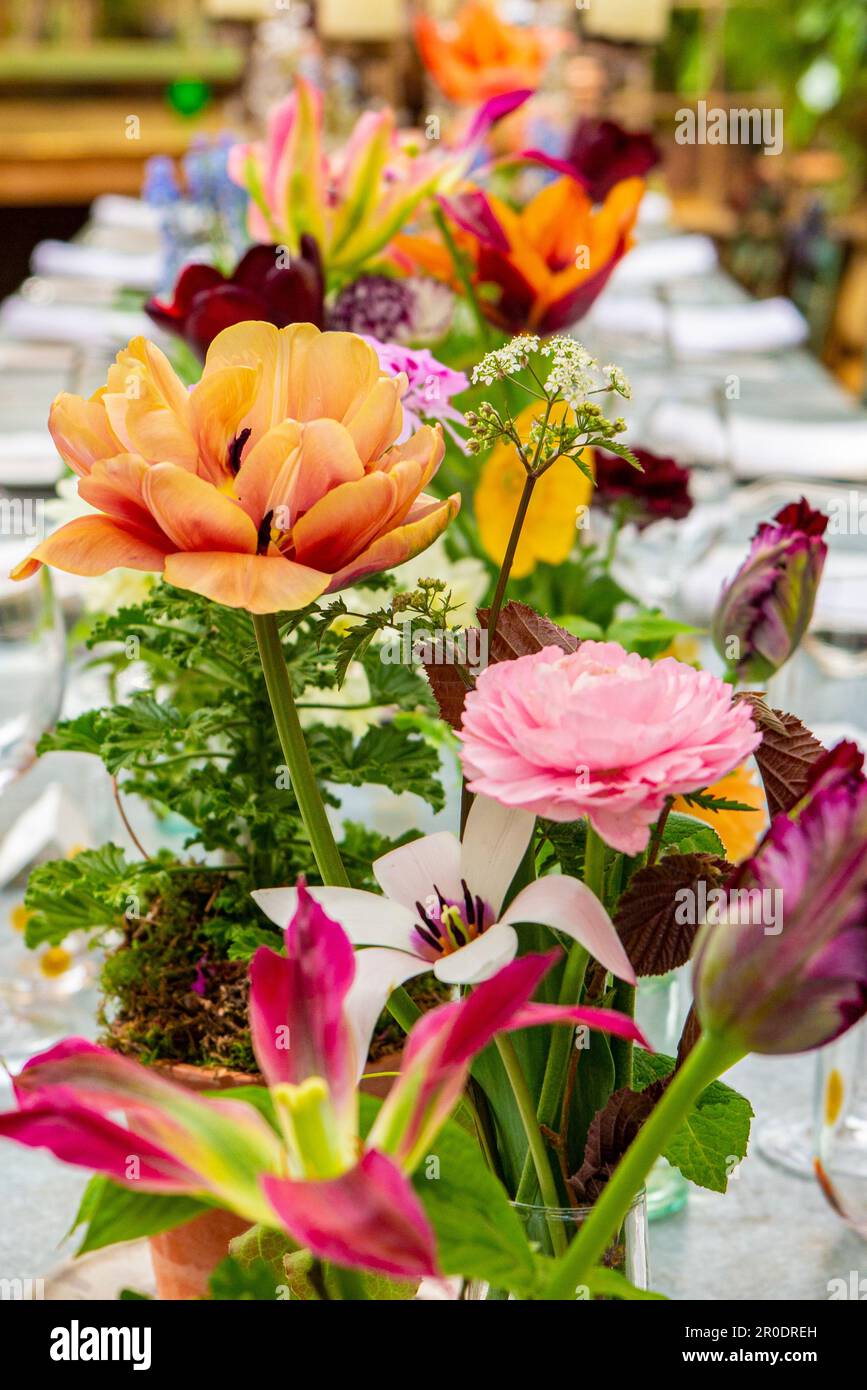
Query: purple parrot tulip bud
x=781, y=965
x=766, y=609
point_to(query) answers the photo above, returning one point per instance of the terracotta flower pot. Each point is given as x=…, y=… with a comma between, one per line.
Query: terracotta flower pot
x=184, y=1258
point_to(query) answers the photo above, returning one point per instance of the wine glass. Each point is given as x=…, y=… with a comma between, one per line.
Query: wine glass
x=32, y=676
x=840, y=1147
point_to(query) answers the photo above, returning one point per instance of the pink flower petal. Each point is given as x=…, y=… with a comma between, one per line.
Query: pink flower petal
x=569, y=906
x=480, y=958
x=370, y=1218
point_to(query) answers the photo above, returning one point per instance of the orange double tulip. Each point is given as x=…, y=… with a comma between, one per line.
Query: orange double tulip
x=545, y=264
x=481, y=57
x=274, y=480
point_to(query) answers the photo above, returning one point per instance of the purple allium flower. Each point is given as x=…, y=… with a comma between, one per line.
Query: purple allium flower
x=414, y=310
x=766, y=609
x=785, y=969
x=376, y=306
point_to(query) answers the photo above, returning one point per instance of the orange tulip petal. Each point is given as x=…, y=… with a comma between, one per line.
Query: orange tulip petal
x=378, y=419
x=267, y=473
x=219, y=403
x=277, y=353
x=341, y=524
x=428, y=519
x=259, y=583
x=336, y=375
x=328, y=459
x=81, y=431
x=148, y=407
x=93, y=545
x=411, y=466
x=114, y=486
x=195, y=514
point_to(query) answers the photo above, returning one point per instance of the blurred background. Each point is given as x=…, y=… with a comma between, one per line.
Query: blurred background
x=91, y=89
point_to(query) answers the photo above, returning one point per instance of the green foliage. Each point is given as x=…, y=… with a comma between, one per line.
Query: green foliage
x=713, y=1138
x=112, y=1213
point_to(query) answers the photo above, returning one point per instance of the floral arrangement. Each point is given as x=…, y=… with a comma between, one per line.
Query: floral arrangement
x=287, y=501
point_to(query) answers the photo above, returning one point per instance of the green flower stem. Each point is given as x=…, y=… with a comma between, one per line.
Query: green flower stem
x=304, y=783
x=295, y=752
x=509, y=557
x=594, y=863
x=570, y=992
x=622, y=1048
x=557, y=1062
x=709, y=1058
x=524, y=1101
x=467, y=285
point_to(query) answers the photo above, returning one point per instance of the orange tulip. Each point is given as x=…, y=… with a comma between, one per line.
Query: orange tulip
x=480, y=56
x=276, y=479
x=548, y=261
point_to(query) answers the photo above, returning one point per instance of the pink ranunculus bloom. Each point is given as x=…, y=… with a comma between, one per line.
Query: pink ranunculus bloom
x=602, y=733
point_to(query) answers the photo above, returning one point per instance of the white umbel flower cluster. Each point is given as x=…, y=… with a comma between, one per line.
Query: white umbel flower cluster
x=506, y=361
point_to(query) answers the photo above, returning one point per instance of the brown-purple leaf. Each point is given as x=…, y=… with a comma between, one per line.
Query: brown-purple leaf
x=611, y=1131
x=784, y=756
x=647, y=917
x=520, y=632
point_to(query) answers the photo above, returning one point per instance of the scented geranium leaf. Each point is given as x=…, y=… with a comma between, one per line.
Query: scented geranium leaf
x=478, y=1233
x=714, y=1137
x=395, y=683
x=610, y=1283
x=113, y=1213
x=83, y=734
x=653, y=918
x=784, y=756
x=689, y=835
x=91, y=892
x=386, y=756
x=449, y=684
x=567, y=840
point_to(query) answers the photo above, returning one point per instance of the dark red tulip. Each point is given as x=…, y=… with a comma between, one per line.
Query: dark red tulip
x=266, y=284
x=660, y=491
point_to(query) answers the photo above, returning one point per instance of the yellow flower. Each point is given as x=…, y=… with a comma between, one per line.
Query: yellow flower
x=549, y=528
x=56, y=961
x=19, y=917
x=739, y=831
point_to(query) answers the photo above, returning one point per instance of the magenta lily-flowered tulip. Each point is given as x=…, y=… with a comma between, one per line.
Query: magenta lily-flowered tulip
x=785, y=969
x=312, y=1013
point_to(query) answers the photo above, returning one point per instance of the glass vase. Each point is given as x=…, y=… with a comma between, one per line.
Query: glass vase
x=840, y=1149
x=548, y=1228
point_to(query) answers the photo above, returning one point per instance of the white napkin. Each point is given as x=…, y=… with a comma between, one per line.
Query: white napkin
x=669, y=258
x=97, y=263
x=113, y=210
x=804, y=448
x=762, y=325
x=28, y=458
x=70, y=323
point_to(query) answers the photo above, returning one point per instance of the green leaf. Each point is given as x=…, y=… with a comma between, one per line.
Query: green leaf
x=113, y=1213
x=250, y=1282
x=708, y=801
x=689, y=835
x=647, y=632
x=714, y=1137
x=582, y=627
x=479, y=1236
x=386, y=756
x=610, y=1283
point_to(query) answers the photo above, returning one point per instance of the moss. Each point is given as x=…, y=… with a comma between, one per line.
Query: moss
x=150, y=1008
